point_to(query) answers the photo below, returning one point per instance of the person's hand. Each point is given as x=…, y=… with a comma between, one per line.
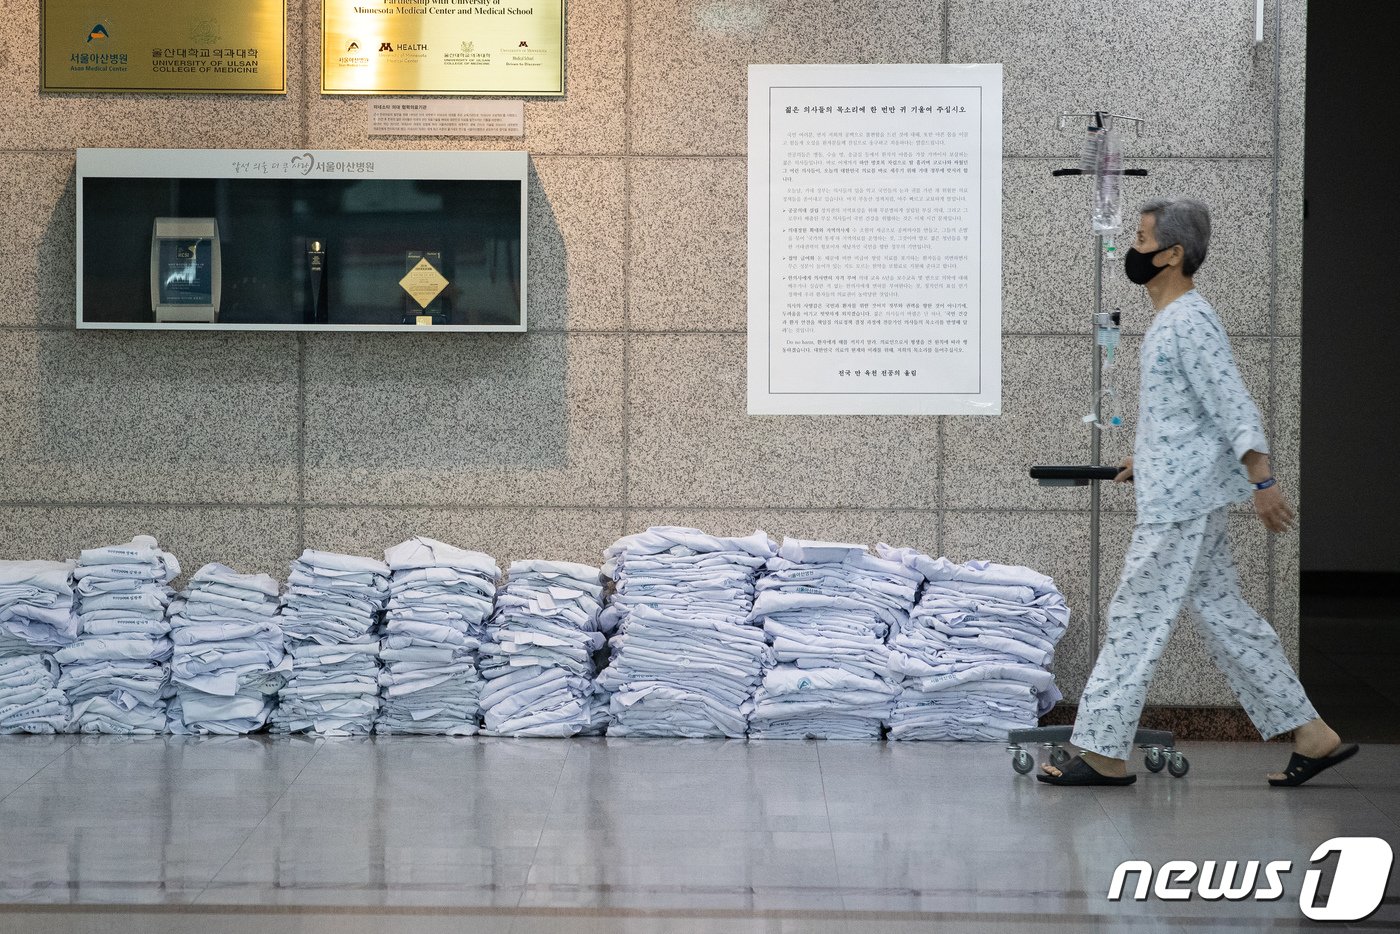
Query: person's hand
x=1272, y=508
x=1126, y=474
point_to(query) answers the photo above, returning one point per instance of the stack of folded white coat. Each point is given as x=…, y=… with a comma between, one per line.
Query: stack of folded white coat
x=30, y=700
x=440, y=598
x=827, y=608
x=329, y=617
x=229, y=662
x=117, y=674
x=36, y=617
x=976, y=651
x=36, y=607
x=685, y=660
x=539, y=660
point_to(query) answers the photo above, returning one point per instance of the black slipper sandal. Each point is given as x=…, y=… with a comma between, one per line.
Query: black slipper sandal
x=1302, y=768
x=1078, y=772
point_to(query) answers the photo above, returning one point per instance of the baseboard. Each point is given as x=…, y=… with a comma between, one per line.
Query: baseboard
x=1227, y=724
x=1348, y=583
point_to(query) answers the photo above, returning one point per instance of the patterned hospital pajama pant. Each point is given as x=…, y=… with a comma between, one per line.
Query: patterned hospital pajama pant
x=1168, y=563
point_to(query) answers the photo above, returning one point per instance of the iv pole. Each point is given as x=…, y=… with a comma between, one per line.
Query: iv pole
x=1104, y=121
x=1160, y=745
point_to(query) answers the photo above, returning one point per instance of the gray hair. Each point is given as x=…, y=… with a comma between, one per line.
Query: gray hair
x=1183, y=221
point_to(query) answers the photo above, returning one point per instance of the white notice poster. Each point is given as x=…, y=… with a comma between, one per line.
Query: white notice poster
x=875, y=239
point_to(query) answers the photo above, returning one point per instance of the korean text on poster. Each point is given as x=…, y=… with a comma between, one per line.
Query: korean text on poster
x=874, y=239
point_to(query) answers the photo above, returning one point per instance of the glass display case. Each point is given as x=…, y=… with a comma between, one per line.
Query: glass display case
x=294, y=240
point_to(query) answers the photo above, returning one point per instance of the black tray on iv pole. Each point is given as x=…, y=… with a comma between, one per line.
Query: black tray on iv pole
x=1159, y=745
x=1073, y=476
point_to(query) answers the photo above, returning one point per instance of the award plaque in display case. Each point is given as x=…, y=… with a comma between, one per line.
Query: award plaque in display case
x=424, y=284
x=295, y=240
x=186, y=271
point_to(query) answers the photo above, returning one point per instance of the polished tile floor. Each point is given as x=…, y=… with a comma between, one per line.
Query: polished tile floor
x=418, y=834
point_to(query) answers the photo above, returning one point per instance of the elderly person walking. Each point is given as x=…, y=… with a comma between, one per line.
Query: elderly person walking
x=1200, y=447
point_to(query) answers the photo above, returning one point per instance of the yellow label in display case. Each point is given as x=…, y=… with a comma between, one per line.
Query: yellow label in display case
x=424, y=283
x=448, y=47
x=154, y=46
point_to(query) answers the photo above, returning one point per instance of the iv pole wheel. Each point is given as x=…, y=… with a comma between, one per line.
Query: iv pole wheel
x=1155, y=760
x=1022, y=762
x=1059, y=757
x=1178, y=765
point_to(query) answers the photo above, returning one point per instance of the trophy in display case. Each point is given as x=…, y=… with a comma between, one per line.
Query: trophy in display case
x=186, y=270
x=424, y=283
x=316, y=308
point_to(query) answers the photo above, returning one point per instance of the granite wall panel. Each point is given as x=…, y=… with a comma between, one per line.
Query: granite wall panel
x=692, y=443
x=38, y=215
x=439, y=419
x=690, y=58
x=147, y=417
x=689, y=228
x=1189, y=68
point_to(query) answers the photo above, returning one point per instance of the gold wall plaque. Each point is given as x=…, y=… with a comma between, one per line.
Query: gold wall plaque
x=154, y=46
x=424, y=283
x=461, y=47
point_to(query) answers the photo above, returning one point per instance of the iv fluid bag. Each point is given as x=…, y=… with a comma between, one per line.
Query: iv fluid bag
x=1089, y=155
x=1108, y=184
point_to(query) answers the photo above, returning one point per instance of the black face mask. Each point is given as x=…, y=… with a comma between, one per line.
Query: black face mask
x=1139, y=267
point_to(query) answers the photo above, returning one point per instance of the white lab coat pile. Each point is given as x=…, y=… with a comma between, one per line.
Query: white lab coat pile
x=827, y=608
x=538, y=661
x=117, y=674
x=229, y=661
x=36, y=617
x=30, y=700
x=975, y=653
x=36, y=607
x=685, y=660
x=440, y=599
x=330, y=616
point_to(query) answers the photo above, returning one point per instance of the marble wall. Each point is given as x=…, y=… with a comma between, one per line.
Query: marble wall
x=624, y=405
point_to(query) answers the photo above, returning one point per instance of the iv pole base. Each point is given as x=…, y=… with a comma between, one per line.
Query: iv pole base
x=1159, y=748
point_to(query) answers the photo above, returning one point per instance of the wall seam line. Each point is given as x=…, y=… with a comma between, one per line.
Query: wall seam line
x=306, y=13
x=305, y=121
x=306, y=92
x=947, y=36
x=942, y=465
x=554, y=507
x=301, y=443
x=1006, y=156
x=1272, y=547
x=624, y=487
x=940, y=533
x=569, y=332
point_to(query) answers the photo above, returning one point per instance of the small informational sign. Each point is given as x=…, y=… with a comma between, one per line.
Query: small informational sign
x=874, y=239
x=442, y=47
x=447, y=118
x=153, y=46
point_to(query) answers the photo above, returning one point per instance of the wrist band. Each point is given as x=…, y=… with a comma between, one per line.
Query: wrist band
x=1265, y=484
